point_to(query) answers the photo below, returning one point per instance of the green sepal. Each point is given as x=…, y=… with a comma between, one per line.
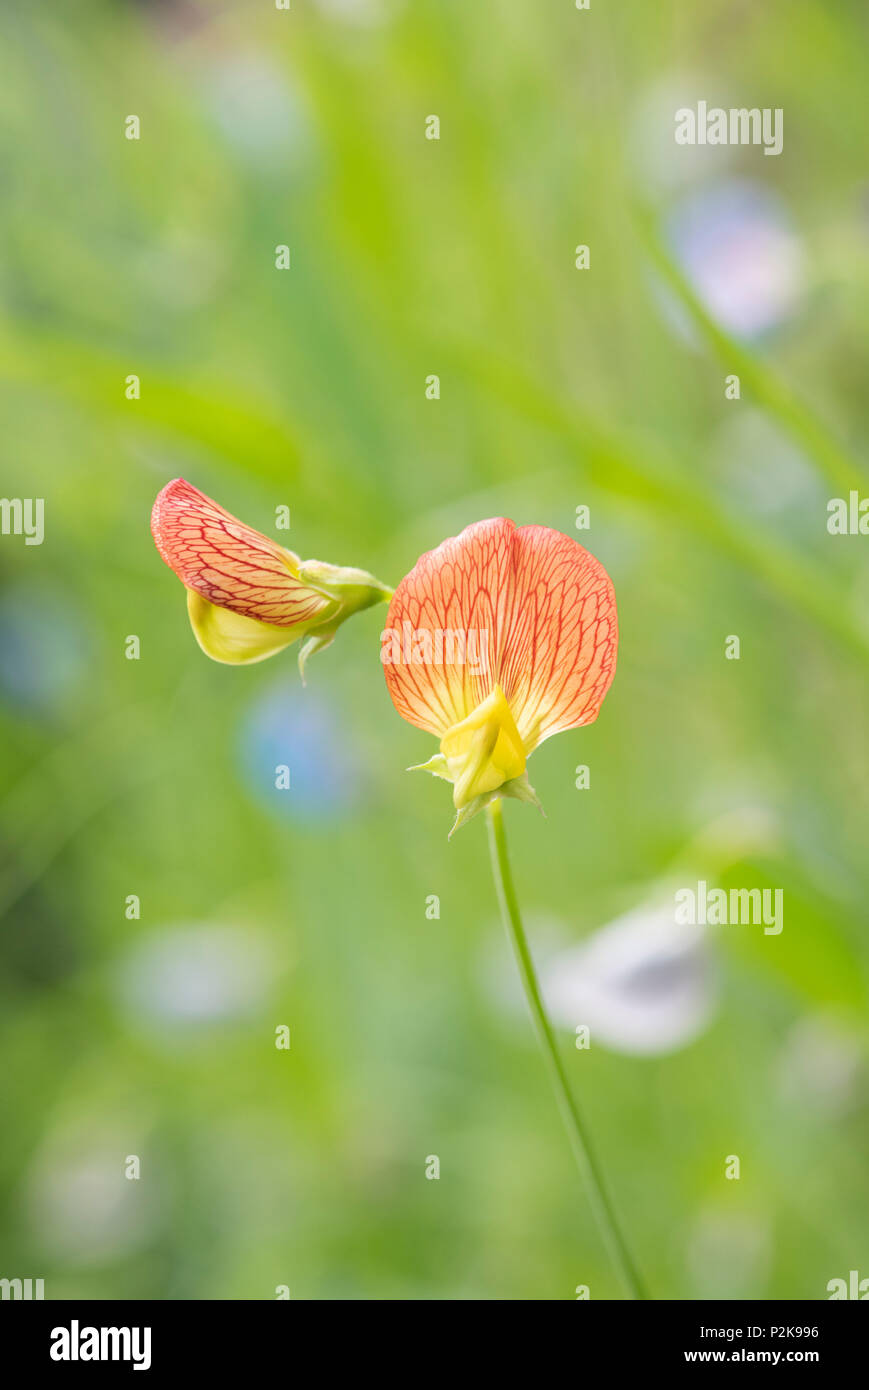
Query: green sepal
x=519, y=788
x=437, y=766
x=317, y=642
x=352, y=589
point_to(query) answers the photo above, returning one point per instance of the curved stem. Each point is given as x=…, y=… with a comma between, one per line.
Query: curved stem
x=583, y=1151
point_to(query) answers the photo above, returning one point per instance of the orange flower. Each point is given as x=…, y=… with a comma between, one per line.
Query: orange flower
x=495, y=641
x=247, y=596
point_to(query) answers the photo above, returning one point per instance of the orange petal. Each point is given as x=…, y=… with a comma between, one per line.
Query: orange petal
x=229, y=563
x=453, y=589
x=560, y=650
x=533, y=602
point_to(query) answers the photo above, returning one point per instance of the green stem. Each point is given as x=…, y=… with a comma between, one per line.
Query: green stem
x=583, y=1151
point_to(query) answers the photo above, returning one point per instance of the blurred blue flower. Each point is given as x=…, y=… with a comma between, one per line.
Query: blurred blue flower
x=256, y=109
x=45, y=650
x=287, y=726
x=737, y=247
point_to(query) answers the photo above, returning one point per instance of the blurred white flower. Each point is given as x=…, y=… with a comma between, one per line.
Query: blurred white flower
x=658, y=162
x=193, y=975
x=746, y=827
x=81, y=1207
x=642, y=984
x=728, y=1253
x=765, y=468
x=820, y=1065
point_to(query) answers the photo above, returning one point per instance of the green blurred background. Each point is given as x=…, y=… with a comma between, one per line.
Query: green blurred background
x=560, y=388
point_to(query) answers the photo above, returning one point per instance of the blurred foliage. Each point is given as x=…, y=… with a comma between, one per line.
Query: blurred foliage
x=559, y=388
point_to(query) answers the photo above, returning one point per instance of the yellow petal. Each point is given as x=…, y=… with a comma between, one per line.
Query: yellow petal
x=483, y=751
x=231, y=637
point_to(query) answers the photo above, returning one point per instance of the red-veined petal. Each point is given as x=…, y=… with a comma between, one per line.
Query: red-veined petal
x=457, y=588
x=230, y=564
x=558, y=655
x=536, y=601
